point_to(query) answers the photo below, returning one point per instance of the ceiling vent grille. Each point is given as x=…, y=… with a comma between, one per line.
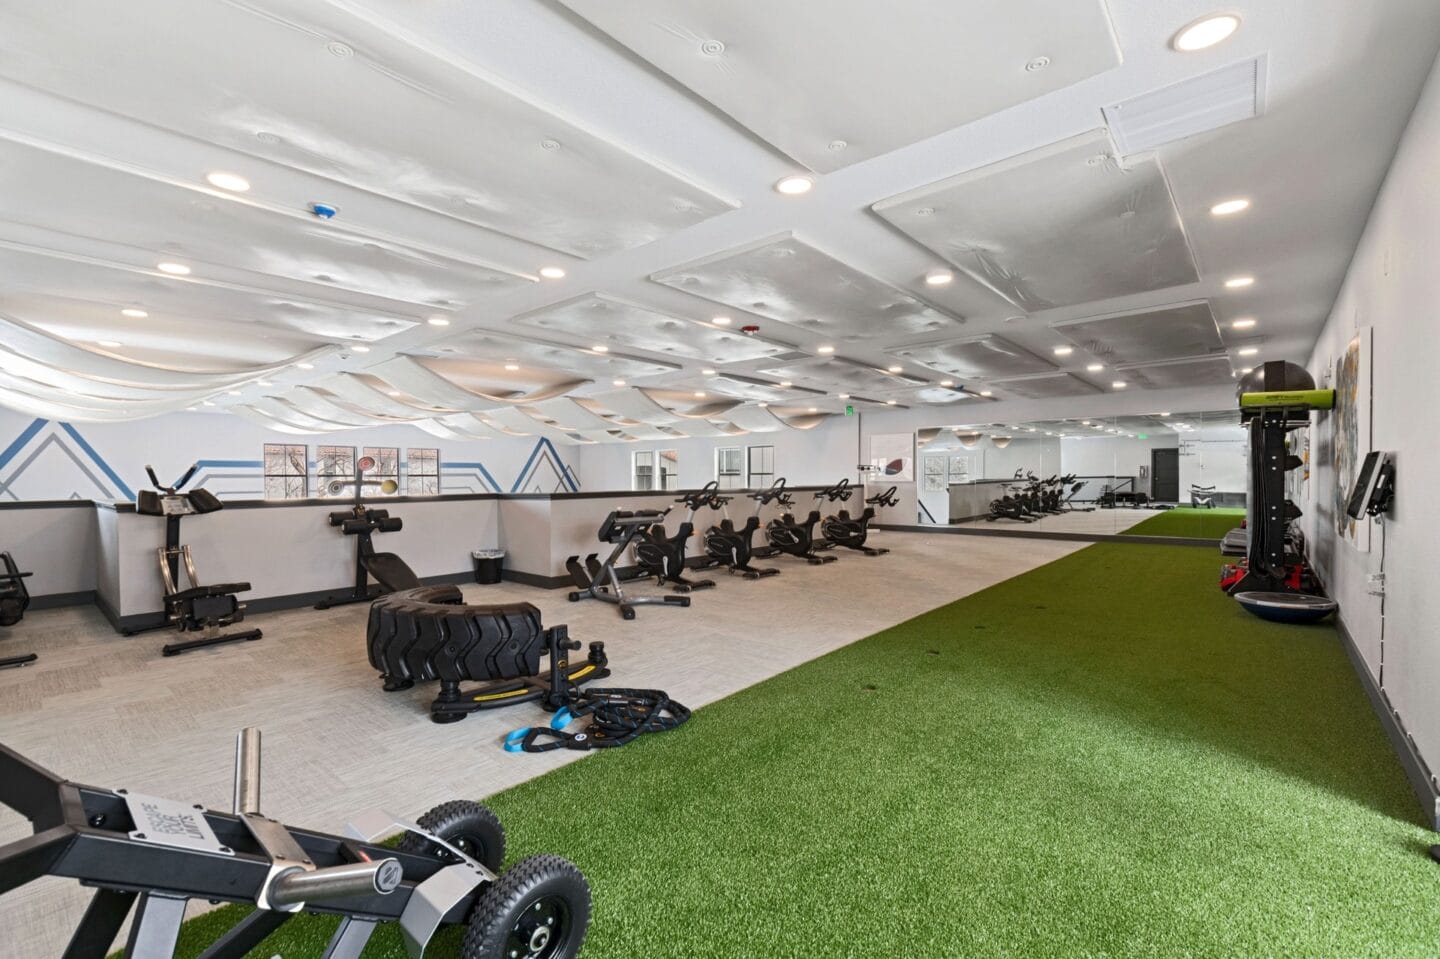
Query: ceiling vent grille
x=1199, y=104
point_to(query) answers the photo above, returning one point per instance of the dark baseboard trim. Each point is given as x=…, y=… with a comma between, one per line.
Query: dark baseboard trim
x=56, y=600
x=1427, y=790
x=536, y=580
x=1003, y=533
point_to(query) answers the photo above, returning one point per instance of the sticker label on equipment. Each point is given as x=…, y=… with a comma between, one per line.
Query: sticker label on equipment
x=166, y=822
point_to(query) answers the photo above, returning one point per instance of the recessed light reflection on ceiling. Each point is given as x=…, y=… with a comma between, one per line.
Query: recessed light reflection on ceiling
x=1239, y=282
x=939, y=277
x=814, y=409
x=986, y=393
x=891, y=402
x=1230, y=207
x=786, y=384
x=897, y=369
x=600, y=348
x=134, y=314
x=438, y=321
x=947, y=383
x=552, y=273
x=707, y=372
x=699, y=394
x=1244, y=324
x=794, y=185
x=228, y=181
x=842, y=396
x=721, y=320
x=1064, y=350
x=1095, y=367
x=512, y=367
x=1249, y=350
x=825, y=349
x=1119, y=384
x=174, y=269
x=1206, y=32
x=1164, y=414
x=617, y=382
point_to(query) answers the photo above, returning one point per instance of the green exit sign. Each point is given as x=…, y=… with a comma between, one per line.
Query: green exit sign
x=849, y=410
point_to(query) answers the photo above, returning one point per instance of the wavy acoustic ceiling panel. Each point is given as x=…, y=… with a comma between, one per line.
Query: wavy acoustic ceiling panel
x=1148, y=336
x=804, y=75
x=607, y=321
x=531, y=354
x=1062, y=225
x=823, y=299
x=1177, y=374
x=847, y=374
x=1048, y=385
x=976, y=356
x=502, y=163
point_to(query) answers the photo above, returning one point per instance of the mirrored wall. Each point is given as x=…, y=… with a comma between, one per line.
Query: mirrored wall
x=1171, y=473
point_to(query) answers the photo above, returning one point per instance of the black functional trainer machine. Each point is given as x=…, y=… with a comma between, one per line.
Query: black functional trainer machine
x=663, y=556
x=788, y=536
x=731, y=547
x=130, y=847
x=427, y=634
x=195, y=608
x=389, y=571
x=14, y=600
x=850, y=532
x=597, y=580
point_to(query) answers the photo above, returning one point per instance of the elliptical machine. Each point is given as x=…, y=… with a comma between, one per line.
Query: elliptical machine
x=197, y=608
x=843, y=530
x=730, y=547
x=663, y=556
x=788, y=536
x=390, y=572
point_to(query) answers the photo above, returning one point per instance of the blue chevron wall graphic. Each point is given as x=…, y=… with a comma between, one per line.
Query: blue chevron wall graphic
x=71, y=468
x=51, y=460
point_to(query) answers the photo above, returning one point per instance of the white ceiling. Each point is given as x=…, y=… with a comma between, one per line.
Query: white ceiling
x=467, y=146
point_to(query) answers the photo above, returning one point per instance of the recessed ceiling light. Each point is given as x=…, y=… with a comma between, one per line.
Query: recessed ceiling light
x=263, y=383
x=1249, y=350
x=438, y=321
x=786, y=384
x=1230, y=207
x=824, y=349
x=842, y=396
x=1239, y=282
x=228, y=181
x=552, y=273
x=1205, y=32
x=392, y=393
x=721, y=320
x=699, y=394
x=359, y=348
x=600, y=348
x=617, y=382
x=897, y=368
x=174, y=269
x=814, y=409
x=1119, y=384
x=707, y=372
x=1246, y=370
x=794, y=185
x=1064, y=350
x=512, y=367
x=947, y=382
x=762, y=405
x=939, y=277
x=986, y=393
x=191, y=409
x=1164, y=414
x=891, y=402
x=306, y=366
x=233, y=392
x=1084, y=422
x=206, y=403
x=134, y=314
x=1095, y=367
x=1244, y=324
x=109, y=344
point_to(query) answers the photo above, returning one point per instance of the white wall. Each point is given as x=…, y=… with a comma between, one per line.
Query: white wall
x=1393, y=286
x=815, y=457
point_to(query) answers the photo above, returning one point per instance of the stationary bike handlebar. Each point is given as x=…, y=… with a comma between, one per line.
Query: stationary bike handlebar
x=775, y=492
x=155, y=480
x=840, y=491
x=887, y=498
x=701, y=497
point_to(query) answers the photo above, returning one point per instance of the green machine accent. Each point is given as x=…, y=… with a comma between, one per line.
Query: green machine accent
x=1313, y=399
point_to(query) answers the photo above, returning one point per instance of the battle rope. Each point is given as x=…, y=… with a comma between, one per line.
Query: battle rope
x=616, y=717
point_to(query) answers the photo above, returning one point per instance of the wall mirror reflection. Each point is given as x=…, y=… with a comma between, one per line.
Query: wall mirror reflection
x=1180, y=474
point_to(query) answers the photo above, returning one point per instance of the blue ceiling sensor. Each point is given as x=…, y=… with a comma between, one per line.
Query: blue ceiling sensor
x=323, y=210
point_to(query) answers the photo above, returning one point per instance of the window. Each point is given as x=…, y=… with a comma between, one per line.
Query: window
x=760, y=466
x=669, y=461
x=727, y=468
x=286, y=471
x=422, y=469
x=387, y=467
x=643, y=471
x=335, y=470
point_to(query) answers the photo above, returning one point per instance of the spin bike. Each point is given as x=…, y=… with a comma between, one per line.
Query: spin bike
x=663, y=556
x=850, y=532
x=788, y=536
x=730, y=547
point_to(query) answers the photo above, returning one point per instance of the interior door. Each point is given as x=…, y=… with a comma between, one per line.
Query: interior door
x=1165, y=475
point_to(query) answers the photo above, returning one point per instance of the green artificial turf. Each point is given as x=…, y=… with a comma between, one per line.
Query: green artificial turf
x=1104, y=757
x=1187, y=521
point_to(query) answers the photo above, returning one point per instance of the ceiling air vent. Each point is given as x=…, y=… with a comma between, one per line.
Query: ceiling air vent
x=1206, y=102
